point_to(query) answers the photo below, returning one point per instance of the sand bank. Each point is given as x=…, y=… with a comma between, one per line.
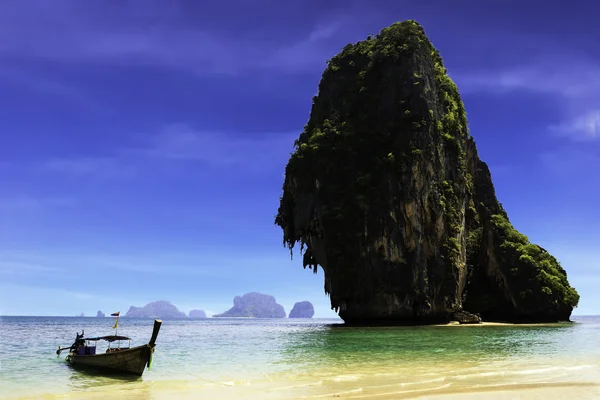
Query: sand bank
x=580, y=391
x=580, y=384
x=456, y=323
x=575, y=391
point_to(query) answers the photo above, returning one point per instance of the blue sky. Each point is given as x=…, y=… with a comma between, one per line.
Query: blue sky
x=143, y=143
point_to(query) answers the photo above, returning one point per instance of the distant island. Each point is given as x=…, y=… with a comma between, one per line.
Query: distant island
x=100, y=314
x=197, y=314
x=254, y=305
x=302, y=309
x=157, y=309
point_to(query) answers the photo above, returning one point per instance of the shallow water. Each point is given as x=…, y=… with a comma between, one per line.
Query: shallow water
x=261, y=358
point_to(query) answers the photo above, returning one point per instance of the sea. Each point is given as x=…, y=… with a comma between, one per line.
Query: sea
x=220, y=358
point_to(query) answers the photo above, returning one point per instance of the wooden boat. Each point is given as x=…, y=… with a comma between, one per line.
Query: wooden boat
x=119, y=360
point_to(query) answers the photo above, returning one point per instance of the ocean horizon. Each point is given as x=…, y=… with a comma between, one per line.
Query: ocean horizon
x=224, y=358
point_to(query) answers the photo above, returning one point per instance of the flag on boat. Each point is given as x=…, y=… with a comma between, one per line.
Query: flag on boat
x=115, y=314
x=116, y=324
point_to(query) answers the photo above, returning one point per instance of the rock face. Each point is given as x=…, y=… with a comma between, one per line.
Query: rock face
x=100, y=314
x=386, y=193
x=254, y=305
x=302, y=309
x=464, y=317
x=157, y=309
x=197, y=314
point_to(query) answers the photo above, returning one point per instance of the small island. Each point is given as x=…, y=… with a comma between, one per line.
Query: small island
x=158, y=309
x=197, y=314
x=254, y=305
x=100, y=314
x=302, y=309
x=386, y=193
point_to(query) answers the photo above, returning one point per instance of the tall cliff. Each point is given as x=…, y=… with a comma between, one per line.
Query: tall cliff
x=386, y=193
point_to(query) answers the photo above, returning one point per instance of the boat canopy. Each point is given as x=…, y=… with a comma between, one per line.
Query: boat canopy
x=110, y=338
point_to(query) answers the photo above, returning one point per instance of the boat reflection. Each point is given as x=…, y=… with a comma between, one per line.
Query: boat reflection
x=83, y=380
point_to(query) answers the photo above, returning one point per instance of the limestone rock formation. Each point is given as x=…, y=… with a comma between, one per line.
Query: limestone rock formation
x=302, y=309
x=157, y=309
x=100, y=314
x=197, y=314
x=254, y=305
x=386, y=193
x=464, y=317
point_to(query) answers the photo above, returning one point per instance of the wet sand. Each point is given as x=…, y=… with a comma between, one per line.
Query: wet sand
x=549, y=391
x=574, y=382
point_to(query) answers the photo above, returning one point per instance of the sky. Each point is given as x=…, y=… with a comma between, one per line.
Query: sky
x=143, y=143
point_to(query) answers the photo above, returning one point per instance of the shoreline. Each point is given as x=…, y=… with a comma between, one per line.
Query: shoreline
x=450, y=323
x=290, y=390
x=485, y=323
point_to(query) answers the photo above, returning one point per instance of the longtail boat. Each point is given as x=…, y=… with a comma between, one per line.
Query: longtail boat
x=119, y=359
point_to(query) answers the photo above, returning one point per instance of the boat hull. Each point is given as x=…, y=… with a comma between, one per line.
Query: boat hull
x=131, y=361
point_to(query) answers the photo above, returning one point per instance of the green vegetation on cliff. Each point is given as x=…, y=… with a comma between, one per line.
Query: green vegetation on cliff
x=540, y=275
x=386, y=192
x=539, y=285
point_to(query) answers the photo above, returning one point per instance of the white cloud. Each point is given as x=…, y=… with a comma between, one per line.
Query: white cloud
x=324, y=31
x=584, y=127
x=566, y=161
x=182, y=143
x=8, y=267
x=208, y=262
x=575, y=82
x=39, y=83
x=32, y=203
x=79, y=166
x=571, y=78
x=141, y=35
x=307, y=54
x=26, y=299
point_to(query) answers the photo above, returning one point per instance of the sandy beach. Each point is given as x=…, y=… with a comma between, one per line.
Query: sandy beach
x=485, y=323
x=197, y=390
x=370, y=382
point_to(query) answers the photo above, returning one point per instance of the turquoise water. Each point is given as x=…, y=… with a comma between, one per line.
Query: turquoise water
x=287, y=358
